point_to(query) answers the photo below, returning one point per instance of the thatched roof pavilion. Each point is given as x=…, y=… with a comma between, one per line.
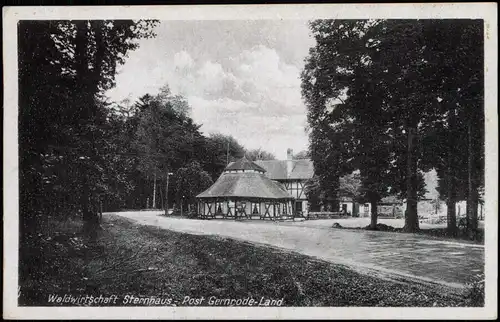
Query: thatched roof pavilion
x=243, y=191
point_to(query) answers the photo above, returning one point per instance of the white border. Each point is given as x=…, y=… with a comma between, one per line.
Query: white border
x=486, y=11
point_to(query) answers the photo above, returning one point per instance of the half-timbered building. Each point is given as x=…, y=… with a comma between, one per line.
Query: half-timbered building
x=244, y=191
x=293, y=175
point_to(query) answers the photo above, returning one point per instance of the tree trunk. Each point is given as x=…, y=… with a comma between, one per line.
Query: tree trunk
x=411, y=218
x=81, y=55
x=451, y=216
x=89, y=216
x=154, y=192
x=374, y=215
x=100, y=210
x=166, y=194
x=472, y=186
x=85, y=101
x=161, y=197
x=97, y=26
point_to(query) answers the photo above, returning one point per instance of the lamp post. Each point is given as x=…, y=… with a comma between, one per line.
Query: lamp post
x=166, y=194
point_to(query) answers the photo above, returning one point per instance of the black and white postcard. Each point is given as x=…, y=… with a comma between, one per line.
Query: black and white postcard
x=251, y=161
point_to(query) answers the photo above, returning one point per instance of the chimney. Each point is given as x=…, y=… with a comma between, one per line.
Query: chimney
x=289, y=162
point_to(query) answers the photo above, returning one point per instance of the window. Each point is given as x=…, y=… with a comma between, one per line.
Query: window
x=255, y=208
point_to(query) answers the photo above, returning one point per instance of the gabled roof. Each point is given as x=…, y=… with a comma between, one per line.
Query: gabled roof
x=244, y=164
x=302, y=169
x=246, y=184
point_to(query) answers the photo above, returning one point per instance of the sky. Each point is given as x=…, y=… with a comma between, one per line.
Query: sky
x=240, y=77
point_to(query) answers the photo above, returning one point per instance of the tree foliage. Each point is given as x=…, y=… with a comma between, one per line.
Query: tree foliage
x=190, y=180
x=221, y=149
x=64, y=68
x=304, y=154
x=259, y=154
x=350, y=186
x=68, y=153
x=165, y=139
x=391, y=98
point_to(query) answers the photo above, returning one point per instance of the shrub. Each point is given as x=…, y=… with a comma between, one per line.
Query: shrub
x=381, y=227
x=192, y=214
x=475, y=294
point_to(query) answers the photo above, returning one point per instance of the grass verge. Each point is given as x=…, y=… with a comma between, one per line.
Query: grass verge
x=145, y=261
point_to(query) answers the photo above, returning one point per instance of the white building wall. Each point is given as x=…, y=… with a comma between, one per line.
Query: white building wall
x=426, y=209
x=305, y=207
x=349, y=206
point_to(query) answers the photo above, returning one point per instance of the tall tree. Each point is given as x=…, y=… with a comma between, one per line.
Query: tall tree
x=459, y=88
x=322, y=89
x=399, y=52
x=372, y=150
x=472, y=101
x=98, y=47
x=165, y=140
x=65, y=66
x=40, y=107
x=335, y=84
x=395, y=78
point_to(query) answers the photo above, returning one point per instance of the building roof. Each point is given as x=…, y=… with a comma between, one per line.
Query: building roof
x=301, y=169
x=244, y=164
x=245, y=184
